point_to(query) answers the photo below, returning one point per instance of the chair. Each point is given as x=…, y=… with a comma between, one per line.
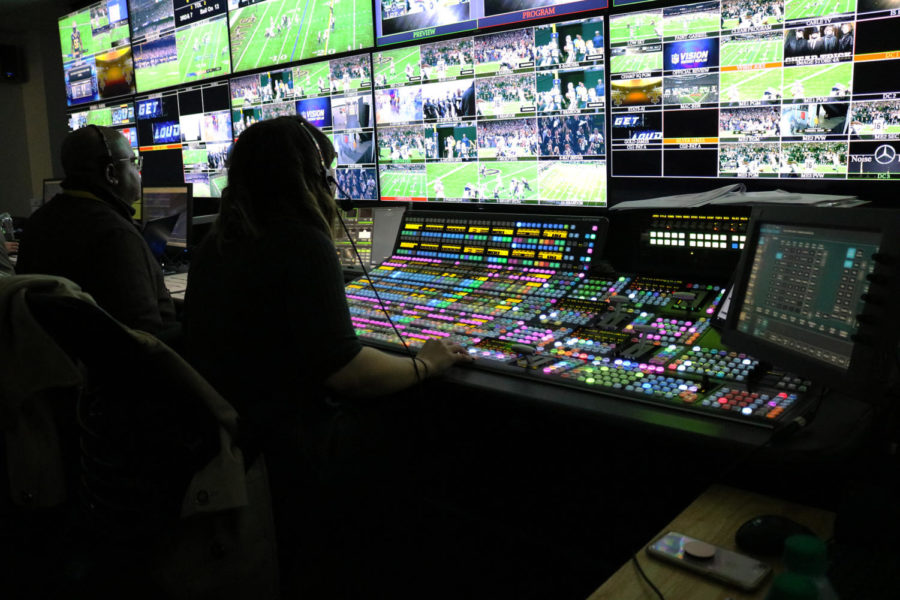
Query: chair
x=159, y=501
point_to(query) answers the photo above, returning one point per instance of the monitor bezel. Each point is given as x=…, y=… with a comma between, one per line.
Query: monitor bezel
x=872, y=351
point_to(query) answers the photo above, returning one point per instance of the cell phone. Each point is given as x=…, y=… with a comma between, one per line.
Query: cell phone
x=711, y=561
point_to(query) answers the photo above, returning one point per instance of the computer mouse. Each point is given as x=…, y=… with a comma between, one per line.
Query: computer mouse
x=764, y=535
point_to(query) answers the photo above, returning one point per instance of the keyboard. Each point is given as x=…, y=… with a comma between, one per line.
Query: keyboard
x=176, y=283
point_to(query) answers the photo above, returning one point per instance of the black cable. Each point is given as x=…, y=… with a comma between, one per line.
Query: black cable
x=644, y=575
x=374, y=289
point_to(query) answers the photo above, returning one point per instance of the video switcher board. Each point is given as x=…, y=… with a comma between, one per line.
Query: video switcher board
x=518, y=292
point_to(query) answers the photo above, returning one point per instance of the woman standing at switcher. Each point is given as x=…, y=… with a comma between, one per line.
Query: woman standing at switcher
x=266, y=319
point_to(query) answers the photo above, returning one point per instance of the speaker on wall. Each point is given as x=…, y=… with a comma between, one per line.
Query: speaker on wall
x=12, y=64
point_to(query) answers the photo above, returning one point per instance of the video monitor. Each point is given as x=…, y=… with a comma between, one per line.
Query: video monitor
x=811, y=290
x=405, y=20
x=96, y=52
x=266, y=33
x=514, y=117
x=167, y=224
x=178, y=42
x=335, y=96
x=184, y=137
x=776, y=89
x=360, y=224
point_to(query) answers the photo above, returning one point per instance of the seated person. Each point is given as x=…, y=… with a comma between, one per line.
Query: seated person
x=87, y=234
x=266, y=319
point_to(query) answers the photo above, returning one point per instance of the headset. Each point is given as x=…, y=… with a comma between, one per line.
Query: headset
x=328, y=177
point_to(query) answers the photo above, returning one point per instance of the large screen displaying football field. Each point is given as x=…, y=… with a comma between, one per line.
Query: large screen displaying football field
x=272, y=32
x=774, y=88
x=178, y=43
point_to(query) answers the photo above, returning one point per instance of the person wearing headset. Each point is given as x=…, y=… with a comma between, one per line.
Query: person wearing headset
x=266, y=320
x=87, y=233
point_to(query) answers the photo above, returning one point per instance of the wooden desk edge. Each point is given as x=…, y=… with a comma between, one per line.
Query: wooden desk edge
x=713, y=517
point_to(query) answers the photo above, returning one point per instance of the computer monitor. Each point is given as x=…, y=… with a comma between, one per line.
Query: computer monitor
x=814, y=293
x=52, y=187
x=168, y=215
x=96, y=52
x=516, y=117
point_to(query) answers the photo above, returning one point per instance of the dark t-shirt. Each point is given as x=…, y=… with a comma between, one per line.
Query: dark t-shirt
x=266, y=322
x=95, y=243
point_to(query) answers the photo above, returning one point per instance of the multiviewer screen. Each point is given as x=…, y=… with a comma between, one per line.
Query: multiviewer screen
x=799, y=88
x=511, y=117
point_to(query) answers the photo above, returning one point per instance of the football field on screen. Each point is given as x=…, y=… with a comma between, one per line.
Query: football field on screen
x=251, y=48
x=194, y=157
x=803, y=9
x=739, y=86
x=817, y=80
x=635, y=63
x=454, y=176
x=504, y=172
x=83, y=24
x=685, y=25
x=624, y=28
x=381, y=63
x=202, y=51
x=402, y=184
x=751, y=53
x=571, y=183
x=217, y=183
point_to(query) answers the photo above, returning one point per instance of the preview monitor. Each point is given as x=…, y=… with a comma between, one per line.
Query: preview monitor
x=405, y=20
x=335, y=96
x=167, y=220
x=184, y=137
x=812, y=293
x=515, y=117
x=96, y=52
x=267, y=33
x=178, y=42
x=725, y=89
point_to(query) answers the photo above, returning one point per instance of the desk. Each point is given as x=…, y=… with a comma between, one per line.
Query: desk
x=713, y=518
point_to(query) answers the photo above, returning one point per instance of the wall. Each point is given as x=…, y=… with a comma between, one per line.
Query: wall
x=32, y=114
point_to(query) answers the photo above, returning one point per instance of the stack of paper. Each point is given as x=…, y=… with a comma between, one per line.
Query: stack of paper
x=737, y=194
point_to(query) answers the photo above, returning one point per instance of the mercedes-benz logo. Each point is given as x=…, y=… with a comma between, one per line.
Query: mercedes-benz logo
x=885, y=154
